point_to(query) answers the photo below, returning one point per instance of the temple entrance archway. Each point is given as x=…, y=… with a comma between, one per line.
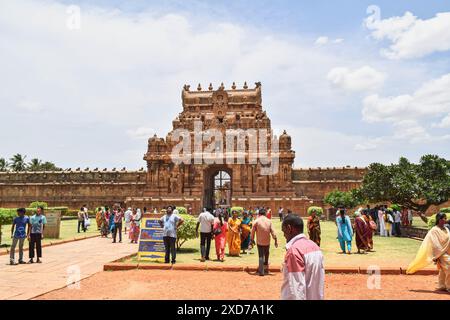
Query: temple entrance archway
x=218, y=188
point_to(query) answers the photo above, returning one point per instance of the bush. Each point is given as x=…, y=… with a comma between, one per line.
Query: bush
x=319, y=211
x=396, y=207
x=6, y=217
x=36, y=204
x=445, y=210
x=186, y=231
x=181, y=210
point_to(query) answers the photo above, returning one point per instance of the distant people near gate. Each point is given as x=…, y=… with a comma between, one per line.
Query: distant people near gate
x=118, y=218
x=37, y=222
x=220, y=231
x=19, y=230
x=234, y=235
x=170, y=223
x=345, y=231
x=303, y=269
x=206, y=224
x=280, y=213
x=263, y=229
x=314, y=231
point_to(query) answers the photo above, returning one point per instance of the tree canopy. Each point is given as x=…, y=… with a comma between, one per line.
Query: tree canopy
x=345, y=199
x=17, y=163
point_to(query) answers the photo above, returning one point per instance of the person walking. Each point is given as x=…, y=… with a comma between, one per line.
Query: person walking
x=206, y=223
x=37, y=222
x=234, y=235
x=361, y=233
x=128, y=214
x=280, y=213
x=135, y=225
x=220, y=236
x=397, y=223
x=345, y=232
x=118, y=217
x=303, y=268
x=170, y=223
x=246, y=228
x=19, y=230
x=263, y=229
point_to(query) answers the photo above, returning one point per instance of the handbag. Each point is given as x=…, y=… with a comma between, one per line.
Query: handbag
x=217, y=231
x=87, y=222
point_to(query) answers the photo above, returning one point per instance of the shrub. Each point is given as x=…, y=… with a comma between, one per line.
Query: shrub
x=6, y=217
x=431, y=221
x=319, y=211
x=186, y=231
x=181, y=210
x=396, y=207
x=36, y=204
x=445, y=210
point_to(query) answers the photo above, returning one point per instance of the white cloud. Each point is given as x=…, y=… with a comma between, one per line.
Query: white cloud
x=432, y=99
x=141, y=133
x=412, y=37
x=445, y=123
x=362, y=79
x=339, y=40
x=30, y=106
x=322, y=41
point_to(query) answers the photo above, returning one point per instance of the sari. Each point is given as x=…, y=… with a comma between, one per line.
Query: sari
x=361, y=233
x=369, y=231
x=98, y=219
x=234, y=237
x=314, y=229
x=134, y=228
x=103, y=225
x=246, y=228
x=220, y=239
x=435, y=247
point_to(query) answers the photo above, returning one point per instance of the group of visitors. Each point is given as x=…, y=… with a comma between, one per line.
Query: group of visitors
x=30, y=228
x=110, y=221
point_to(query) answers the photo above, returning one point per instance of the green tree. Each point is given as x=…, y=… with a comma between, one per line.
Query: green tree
x=3, y=165
x=18, y=162
x=49, y=166
x=413, y=186
x=346, y=199
x=186, y=231
x=35, y=165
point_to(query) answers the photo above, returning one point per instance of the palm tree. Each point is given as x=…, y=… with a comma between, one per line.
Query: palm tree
x=35, y=165
x=18, y=162
x=49, y=166
x=3, y=165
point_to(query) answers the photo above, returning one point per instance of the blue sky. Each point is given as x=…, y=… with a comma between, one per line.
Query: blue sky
x=348, y=92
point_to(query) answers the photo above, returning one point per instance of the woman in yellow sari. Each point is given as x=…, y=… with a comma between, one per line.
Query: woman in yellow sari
x=234, y=235
x=435, y=248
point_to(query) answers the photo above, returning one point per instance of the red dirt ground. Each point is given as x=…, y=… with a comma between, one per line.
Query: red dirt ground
x=201, y=285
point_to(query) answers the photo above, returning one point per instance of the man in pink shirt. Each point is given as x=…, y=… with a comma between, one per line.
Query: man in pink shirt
x=303, y=271
x=263, y=229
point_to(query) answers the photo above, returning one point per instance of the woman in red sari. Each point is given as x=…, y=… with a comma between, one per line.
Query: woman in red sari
x=220, y=237
x=361, y=227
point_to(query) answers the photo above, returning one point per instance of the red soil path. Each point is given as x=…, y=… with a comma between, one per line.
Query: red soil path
x=198, y=285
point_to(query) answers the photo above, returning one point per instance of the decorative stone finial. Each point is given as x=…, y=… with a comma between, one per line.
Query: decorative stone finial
x=186, y=87
x=233, y=86
x=210, y=88
x=199, y=88
x=258, y=84
x=245, y=85
x=222, y=87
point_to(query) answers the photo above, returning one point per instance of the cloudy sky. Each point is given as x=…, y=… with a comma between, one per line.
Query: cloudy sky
x=85, y=83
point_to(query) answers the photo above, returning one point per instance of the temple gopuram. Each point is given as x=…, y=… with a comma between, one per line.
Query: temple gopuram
x=234, y=159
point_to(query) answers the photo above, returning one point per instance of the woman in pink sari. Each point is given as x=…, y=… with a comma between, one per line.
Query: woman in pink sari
x=220, y=237
x=135, y=229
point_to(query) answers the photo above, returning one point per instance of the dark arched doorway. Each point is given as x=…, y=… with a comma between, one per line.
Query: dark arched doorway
x=218, y=188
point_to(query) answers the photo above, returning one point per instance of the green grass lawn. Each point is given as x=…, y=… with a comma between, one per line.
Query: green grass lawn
x=68, y=231
x=395, y=252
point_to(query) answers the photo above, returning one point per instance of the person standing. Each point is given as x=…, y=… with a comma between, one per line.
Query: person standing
x=397, y=223
x=303, y=269
x=280, y=213
x=206, y=223
x=370, y=230
x=104, y=225
x=410, y=217
x=246, y=228
x=37, y=222
x=314, y=227
x=234, y=235
x=98, y=218
x=345, y=231
x=19, y=230
x=170, y=223
x=220, y=236
x=268, y=213
x=381, y=222
x=388, y=221
x=128, y=214
x=118, y=217
x=135, y=225
x=81, y=218
x=263, y=229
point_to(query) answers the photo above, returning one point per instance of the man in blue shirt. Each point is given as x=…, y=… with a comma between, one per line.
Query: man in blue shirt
x=38, y=222
x=18, y=235
x=170, y=224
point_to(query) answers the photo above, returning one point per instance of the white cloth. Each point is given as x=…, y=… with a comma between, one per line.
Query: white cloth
x=206, y=219
x=128, y=214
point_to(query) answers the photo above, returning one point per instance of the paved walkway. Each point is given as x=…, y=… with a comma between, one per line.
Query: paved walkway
x=60, y=267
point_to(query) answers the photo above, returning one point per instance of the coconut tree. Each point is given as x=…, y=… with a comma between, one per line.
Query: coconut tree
x=3, y=165
x=18, y=162
x=35, y=165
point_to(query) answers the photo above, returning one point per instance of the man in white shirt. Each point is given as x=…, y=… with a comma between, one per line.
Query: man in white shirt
x=206, y=222
x=397, y=223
